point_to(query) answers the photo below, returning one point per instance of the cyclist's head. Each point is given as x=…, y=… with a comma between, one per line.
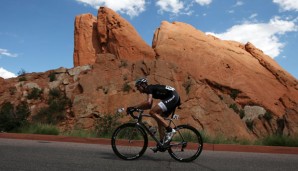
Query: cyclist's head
x=141, y=84
x=141, y=81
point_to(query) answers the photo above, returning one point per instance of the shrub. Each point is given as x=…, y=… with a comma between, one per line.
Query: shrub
x=55, y=111
x=55, y=92
x=22, y=78
x=250, y=124
x=234, y=107
x=22, y=74
x=52, y=76
x=242, y=113
x=35, y=93
x=126, y=87
x=107, y=124
x=234, y=93
x=12, y=118
x=12, y=90
x=268, y=116
x=123, y=64
x=187, y=86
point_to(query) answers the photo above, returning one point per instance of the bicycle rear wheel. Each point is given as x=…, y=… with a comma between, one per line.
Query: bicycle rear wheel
x=129, y=141
x=186, y=144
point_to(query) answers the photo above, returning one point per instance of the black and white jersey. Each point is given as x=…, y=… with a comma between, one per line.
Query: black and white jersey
x=160, y=91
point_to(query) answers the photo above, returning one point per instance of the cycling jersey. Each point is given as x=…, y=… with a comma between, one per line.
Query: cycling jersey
x=160, y=91
x=168, y=96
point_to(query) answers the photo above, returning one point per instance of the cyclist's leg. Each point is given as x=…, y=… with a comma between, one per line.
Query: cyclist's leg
x=156, y=112
x=161, y=131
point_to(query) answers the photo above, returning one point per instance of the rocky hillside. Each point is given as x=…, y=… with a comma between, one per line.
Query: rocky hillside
x=227, y=88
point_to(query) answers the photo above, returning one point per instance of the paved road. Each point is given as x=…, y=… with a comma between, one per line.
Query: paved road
x=31, y=155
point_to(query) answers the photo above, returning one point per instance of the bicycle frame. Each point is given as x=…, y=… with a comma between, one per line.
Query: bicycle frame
x=140, y=123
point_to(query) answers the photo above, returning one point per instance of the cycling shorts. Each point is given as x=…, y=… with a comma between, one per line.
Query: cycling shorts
x=169, y=104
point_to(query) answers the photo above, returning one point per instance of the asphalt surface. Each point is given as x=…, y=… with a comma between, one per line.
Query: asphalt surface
x=42, y=155
x=212, y=147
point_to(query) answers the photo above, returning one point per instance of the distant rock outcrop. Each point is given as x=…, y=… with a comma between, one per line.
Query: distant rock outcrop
x=227, y=88
x=109, y=33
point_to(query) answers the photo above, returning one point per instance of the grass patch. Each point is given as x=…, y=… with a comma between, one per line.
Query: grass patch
x=80, y=133
x=280, y=140
x=39, y=128
x=221, y=139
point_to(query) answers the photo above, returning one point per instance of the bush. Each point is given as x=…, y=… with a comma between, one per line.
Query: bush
x=55, y=112
x=187, y=85
x=35, y=93
x=268, y=116
x=234, y=93
x=52, y=76
x=22, y=74
x=234, y=107
x=107, y=124
x=241, y=114
x=123, y=64
x=12, y=90
x=12, y=118
x=22, y=78
x=250, y=124
x=126, y=87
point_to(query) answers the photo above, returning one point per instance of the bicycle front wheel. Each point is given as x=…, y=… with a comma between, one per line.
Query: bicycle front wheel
x=186, y=144
x=129, y=141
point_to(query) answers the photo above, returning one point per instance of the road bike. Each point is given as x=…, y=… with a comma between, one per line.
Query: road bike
x=130, y=140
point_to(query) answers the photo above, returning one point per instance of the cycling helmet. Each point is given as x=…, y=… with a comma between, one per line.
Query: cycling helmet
x=140, y=81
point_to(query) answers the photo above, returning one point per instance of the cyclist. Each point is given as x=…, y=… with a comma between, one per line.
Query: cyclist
x=169, y=100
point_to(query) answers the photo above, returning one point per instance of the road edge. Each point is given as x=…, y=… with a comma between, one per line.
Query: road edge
x=105, y=141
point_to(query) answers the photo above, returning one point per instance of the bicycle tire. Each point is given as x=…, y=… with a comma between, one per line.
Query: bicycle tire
x=186, y=145
x=129, y=141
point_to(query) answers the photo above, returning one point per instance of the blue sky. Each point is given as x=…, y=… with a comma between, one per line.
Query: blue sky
x=38, y=35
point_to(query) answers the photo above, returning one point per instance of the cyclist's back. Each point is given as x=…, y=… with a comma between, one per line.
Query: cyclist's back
x=160, y=91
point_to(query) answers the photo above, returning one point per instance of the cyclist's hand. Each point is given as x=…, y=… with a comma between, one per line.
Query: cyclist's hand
x=130, y=109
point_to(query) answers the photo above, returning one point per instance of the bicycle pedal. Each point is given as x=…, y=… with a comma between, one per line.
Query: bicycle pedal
x=154, y=149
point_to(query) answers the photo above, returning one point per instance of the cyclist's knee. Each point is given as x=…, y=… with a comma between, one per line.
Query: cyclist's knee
x=155, y=110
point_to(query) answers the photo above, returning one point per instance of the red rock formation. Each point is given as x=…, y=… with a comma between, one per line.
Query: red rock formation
x=117, y=36
x=208, y=67
x=109, y=33
x=86, y=45
x=227, y=88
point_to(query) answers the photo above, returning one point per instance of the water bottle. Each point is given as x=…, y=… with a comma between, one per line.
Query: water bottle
x=152, y=129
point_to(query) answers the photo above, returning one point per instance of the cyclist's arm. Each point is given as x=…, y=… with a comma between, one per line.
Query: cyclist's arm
x=147, y=104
